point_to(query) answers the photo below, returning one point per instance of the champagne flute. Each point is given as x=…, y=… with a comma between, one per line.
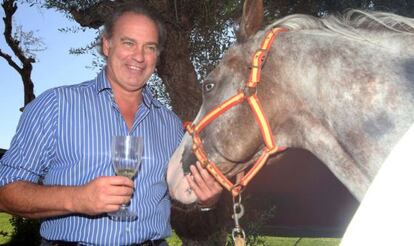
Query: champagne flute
x=126, y=159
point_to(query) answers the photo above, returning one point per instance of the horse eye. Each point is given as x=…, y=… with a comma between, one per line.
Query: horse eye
x=208, y=87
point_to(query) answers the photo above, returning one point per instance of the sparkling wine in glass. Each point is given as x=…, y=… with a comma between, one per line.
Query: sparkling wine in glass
x=126, y=157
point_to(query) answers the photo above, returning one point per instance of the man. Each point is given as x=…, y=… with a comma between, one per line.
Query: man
x=64, y=137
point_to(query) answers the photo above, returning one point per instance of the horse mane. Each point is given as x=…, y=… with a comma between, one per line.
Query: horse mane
x=383, y=29
x=350, y=20
x=353, y=23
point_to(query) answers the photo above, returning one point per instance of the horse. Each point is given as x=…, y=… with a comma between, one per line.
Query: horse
x=339, y=86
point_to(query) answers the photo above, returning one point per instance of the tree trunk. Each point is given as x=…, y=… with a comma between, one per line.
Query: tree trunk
x=178, y=74
x=25, y=70
x=27, y=83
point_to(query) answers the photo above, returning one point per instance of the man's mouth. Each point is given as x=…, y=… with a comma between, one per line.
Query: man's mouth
x=135, y=68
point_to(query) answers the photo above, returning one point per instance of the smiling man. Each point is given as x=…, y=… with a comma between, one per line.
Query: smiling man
x=64, y=139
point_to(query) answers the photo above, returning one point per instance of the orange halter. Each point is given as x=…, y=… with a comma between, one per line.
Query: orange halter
x=249, y=94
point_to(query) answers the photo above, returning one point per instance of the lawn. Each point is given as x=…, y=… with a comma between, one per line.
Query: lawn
x=5, y=227
x=174, y=241
x=280, y=241
x=291, y=241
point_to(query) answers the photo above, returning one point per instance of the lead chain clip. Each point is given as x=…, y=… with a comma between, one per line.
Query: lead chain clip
x=238, y=235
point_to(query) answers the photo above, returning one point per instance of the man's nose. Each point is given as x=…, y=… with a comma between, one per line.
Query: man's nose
x=139, y=54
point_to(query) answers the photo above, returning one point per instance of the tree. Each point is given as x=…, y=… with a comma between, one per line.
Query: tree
x=23, y=45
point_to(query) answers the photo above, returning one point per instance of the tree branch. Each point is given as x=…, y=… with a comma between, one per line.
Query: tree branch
x=94, y=16
x=10, y=61
x=10, y=8
x=25, y=70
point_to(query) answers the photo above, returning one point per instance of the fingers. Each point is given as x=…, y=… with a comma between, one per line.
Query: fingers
x=206, y=188
x=105, y=194
x=120, y=181
x=112, y=208
x=209, y=181
x=118, y=189
x=117, y=200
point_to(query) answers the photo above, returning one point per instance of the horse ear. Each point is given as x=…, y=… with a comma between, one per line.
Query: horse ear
x=251, y=20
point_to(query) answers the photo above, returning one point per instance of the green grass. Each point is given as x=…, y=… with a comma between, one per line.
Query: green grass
x=5, y=227
x=290, y=241
x=279, y=241
x=175, y=241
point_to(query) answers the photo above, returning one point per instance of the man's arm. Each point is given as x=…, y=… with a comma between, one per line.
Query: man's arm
x=101, y=195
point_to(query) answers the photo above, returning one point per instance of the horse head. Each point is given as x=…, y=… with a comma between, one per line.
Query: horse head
x=341, y=88
x=230, y=138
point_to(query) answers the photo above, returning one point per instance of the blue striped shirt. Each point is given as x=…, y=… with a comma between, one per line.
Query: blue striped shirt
x=64, y=136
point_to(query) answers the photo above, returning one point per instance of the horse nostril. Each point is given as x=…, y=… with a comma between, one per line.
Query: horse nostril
x=188, y=158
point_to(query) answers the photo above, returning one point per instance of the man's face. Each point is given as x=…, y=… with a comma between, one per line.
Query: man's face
x=131, y=52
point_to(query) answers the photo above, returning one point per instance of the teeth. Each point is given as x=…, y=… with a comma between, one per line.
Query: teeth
x=135, y=68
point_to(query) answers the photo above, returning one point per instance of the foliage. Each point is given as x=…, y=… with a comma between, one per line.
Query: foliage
x=30, y=44
x=320, y=7
x=159, y=91
x=25, y=231
x=212, y=34
x=23, y=45
x=5, y=228
x=254, y=226
x=174, y=240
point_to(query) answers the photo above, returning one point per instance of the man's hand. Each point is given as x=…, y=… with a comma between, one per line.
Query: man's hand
x=103, y=194
x=206, y=188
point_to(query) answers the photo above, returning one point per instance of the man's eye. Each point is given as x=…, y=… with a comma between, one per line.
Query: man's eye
x=128, y=43
x=151, y=48
x=208, y=87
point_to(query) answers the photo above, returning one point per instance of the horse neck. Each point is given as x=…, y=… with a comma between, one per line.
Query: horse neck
x=353, y=100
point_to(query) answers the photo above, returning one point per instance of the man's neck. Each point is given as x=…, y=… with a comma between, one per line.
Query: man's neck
x=128, y=104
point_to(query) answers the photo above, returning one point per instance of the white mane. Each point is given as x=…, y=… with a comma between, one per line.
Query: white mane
x=385, y=29
x=349, y=22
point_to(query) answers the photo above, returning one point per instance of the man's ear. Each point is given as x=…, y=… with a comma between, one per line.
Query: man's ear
x=106, y=43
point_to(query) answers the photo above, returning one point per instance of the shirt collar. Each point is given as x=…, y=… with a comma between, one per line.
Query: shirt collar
x=102, y=84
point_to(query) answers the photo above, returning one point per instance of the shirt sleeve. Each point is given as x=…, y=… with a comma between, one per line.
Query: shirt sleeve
x=32, y=147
